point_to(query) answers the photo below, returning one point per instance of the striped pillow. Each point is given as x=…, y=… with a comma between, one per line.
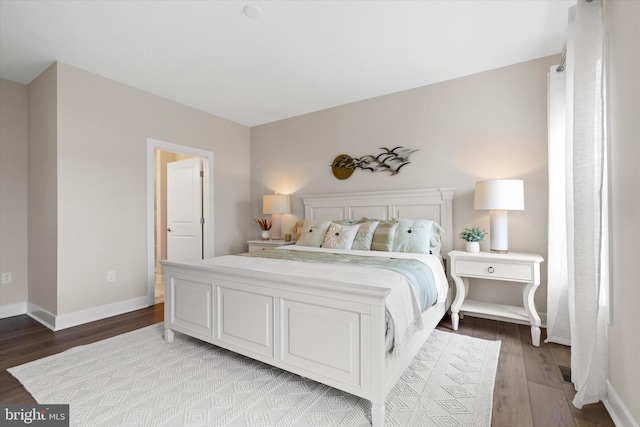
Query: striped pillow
x=384, y=236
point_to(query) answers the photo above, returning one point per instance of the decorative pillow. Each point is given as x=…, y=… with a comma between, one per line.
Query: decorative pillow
x=364, y=236
x=416, y=236
x=340, y=236
x=437, y=249
x=436, y=241
x=413, y=235
x=297, y=229
x=313, y=232
x=384, y=236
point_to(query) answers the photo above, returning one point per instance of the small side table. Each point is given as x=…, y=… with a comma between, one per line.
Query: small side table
x=513, y=267
x=258, y=245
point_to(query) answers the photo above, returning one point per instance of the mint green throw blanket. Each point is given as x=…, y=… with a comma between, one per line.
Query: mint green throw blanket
x=418, y=274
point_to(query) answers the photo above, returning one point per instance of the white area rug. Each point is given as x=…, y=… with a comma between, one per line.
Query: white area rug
x=136, y=379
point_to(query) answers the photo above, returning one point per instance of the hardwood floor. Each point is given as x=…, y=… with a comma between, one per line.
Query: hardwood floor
x=529, y=388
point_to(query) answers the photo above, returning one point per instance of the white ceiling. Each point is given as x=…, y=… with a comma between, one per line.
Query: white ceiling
x=296, y=57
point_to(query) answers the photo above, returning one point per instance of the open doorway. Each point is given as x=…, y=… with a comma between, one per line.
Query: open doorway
x=178, y=225
x=160, y=157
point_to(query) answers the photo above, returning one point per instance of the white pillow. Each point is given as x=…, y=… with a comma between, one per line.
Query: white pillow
x=365, y=235
x=340, y=236
x=416, y=236
x=436, y=239
x=312, y=233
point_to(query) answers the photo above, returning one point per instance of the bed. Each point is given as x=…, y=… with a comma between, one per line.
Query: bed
x=320, y=321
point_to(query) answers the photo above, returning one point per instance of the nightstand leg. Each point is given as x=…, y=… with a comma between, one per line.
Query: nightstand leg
x=530, y=308
x=462, y=287
x=535, y=336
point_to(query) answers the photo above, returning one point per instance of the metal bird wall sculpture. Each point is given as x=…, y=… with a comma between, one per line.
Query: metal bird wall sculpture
x=390, y=160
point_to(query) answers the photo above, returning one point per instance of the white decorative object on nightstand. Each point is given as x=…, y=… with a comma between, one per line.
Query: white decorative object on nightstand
x=258, y=245
x=512, y=267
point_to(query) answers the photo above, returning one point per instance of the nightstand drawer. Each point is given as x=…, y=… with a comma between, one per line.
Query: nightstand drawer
x=495, y=270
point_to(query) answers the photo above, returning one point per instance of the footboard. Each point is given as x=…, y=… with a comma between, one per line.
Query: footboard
x=328, y=331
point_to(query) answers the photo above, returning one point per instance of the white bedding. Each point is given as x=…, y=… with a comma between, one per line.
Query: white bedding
x=433, y=261
x=402, y=303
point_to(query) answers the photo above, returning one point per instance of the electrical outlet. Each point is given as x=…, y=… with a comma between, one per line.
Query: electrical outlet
x=6, y=278
x=111, y=276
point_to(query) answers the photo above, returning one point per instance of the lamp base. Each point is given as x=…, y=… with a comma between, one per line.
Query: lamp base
x=276, y=226
x=499, y=232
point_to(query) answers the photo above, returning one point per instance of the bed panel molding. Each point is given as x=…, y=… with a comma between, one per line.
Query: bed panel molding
x=238, y=312
x=308, y=330
x=191, y=307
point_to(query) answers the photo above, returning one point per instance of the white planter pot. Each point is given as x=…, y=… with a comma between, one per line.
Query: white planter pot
x=473, y=246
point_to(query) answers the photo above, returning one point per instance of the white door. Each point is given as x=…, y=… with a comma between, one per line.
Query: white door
x=184, y=210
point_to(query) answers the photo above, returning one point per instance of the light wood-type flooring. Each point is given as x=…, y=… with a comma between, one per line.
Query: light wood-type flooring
x=529, y=388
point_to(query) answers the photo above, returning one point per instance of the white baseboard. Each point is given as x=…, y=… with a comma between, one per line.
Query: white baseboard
x=10, y=310
x=41, y=315
x=102, y=312
x=617, y=410
x=64, y=321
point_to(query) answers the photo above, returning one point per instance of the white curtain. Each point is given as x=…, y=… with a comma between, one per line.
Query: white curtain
x=578, y=272
x=558, y=324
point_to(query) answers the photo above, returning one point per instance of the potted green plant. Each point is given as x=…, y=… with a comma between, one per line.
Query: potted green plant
x=473, y=236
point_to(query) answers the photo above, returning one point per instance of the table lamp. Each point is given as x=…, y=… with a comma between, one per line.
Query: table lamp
x=499, y=196
x=276, y=205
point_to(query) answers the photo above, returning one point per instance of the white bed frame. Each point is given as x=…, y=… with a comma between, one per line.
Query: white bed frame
x=324, y=330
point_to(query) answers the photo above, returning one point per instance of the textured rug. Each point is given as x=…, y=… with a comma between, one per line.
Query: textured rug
x=136, y=379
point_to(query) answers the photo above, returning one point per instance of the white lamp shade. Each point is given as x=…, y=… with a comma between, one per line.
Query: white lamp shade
x=499, y=194
x=276, y=204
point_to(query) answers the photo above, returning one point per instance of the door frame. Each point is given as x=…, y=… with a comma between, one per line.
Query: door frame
x=207, y=202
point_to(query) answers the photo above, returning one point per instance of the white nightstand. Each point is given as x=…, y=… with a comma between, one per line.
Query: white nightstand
x=512, y=267
x=258, y=245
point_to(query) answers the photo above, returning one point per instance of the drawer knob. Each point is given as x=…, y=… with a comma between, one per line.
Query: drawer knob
x=490, y=270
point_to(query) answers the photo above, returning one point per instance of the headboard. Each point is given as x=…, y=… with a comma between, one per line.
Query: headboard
x=435, y=204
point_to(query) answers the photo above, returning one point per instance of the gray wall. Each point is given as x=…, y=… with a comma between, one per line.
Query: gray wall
x=13, y=194
x=623, y=24
x=488, y=125
x=87, y=183
x=43, y=190
x=103, y=128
